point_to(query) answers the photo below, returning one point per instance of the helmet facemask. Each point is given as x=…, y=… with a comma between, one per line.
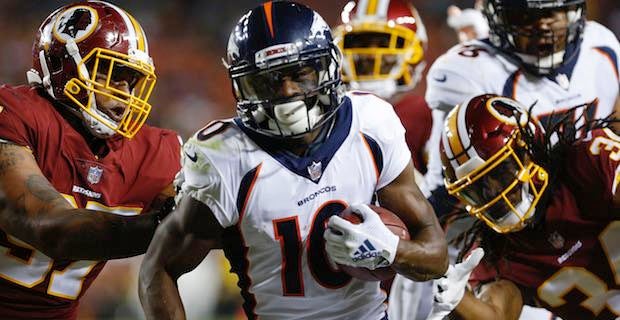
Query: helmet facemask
x=380, y=58
x=93, y=57
x=489, y=165
x=502, y=191
x=99, y=73
x=287, y=98
x=542, y=37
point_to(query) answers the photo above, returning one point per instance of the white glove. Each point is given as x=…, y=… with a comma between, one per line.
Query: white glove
x=449, y=289
x=369, y=244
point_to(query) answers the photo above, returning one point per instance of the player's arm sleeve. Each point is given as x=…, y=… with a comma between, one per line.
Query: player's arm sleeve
x=200, y=179
x=604, y=161
x=446, y=88
x=14, y=127
x=390, y=138
x=610, y=46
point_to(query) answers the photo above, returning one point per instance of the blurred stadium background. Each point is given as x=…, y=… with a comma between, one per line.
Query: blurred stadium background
x=187, y=40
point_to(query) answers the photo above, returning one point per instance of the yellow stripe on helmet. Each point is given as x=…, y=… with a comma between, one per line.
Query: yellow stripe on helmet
x=372, y=7
x=140, y=37
x=454, y=141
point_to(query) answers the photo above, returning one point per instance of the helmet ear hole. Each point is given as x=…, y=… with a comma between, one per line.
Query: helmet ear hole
x=72, y=87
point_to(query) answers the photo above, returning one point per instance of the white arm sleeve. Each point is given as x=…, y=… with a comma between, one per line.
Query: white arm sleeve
x=445, y=89
x=434, y=176
x=390, y=135
x=203, y=181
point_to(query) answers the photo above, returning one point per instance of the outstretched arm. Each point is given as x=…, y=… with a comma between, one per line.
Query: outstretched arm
x=32, y=210
x=499, y=300
x=616, y=113
x=179, y=245
x=425, y=256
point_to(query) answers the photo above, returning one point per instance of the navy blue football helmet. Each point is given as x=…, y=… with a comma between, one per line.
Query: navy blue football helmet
x=285, y=70
x=553, y=29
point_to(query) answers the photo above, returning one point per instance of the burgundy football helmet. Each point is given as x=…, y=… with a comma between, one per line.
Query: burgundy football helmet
x=383, y=43
x=81, y=50
x=487, y=163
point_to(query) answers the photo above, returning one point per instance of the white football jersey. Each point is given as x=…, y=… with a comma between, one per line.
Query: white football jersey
x=476, y=67
x=274, y=206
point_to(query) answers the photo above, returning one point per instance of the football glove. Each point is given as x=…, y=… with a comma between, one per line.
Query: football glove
x=449, y=289
x=369, y=244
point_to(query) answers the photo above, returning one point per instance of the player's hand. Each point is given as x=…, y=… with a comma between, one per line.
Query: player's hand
x=369, y=244
x=449, y=289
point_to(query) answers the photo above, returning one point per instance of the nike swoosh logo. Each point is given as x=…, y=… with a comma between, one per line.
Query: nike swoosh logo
x=194, y=158
x=442, y=79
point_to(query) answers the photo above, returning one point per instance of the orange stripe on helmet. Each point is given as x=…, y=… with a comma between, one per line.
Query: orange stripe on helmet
x=454, y=140
x=268, y=16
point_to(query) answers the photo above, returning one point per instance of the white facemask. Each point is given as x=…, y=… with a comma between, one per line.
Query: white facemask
x=291, y=117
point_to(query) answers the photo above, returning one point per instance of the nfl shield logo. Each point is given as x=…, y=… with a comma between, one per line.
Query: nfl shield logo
x=315, y=170
x=94, y=175
x=556, y=240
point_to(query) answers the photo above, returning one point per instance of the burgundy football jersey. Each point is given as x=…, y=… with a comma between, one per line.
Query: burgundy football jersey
x=126, y=181
x=417, y=119
x=570, y=264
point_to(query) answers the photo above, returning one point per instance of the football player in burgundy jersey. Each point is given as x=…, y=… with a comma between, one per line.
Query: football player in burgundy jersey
x=267, y=186
x=79, y=170
x=547, y=205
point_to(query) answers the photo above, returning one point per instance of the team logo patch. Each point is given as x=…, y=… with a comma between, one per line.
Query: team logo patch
x=315, y=170
x=94, y=175
x=75, y=23
x=556, y=240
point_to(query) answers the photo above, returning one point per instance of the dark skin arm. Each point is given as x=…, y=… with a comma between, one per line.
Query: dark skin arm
x=181, y=242
x=616, y=126
x=35, y=212
x=498, y=300
x=425, y=256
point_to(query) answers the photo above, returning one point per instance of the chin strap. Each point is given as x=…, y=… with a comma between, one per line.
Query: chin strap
x=34, y=78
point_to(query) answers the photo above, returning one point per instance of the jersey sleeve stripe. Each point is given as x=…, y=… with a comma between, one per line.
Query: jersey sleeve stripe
x=245, y=189
x=375, y=152
x=510, y=86
x=611, y=57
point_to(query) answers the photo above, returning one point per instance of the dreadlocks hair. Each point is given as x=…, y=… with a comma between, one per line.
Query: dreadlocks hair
x=548, y=148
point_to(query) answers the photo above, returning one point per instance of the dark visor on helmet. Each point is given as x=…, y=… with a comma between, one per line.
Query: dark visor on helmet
x=491, y=185
x=282, y=82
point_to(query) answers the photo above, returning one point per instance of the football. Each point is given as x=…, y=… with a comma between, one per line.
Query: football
x=395, y=225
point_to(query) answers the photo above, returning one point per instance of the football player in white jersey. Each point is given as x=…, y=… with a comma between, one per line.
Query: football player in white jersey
x=267, y=186
x=542, y=53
